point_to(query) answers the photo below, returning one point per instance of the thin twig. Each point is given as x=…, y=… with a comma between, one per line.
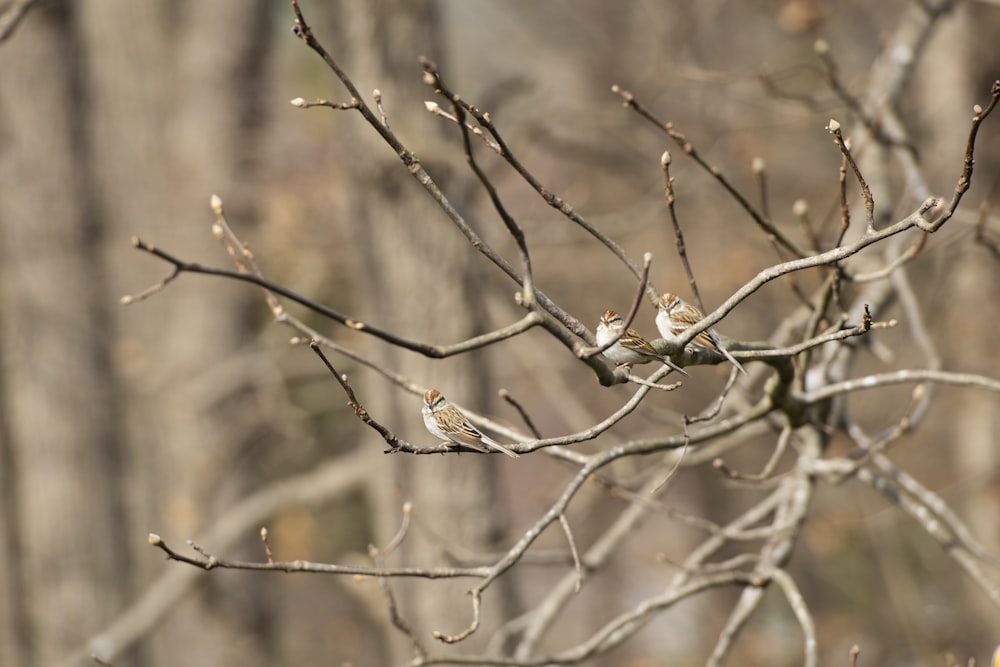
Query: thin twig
x=901, y=377
x=628, y=99
x=210, y=562
x=572, y=548
x=434, y=76
x=267, y=546
x=378, y=557
x=505, y=395
x=302, y=103
x=633, y=309
x=759, y=169
x=677, y=463
x=359, y=411
x=802, y=614
x=527, y=322
x=716, y=408
x=668, y=192
x=415, y=169
x=914, y=503
x=404, y=528
x=965, y=178
x=514, y=229
x=792, y=350
x=866, y=191
x=877, y=129
x=551, y=515
x=800, y=209
x=783, y=439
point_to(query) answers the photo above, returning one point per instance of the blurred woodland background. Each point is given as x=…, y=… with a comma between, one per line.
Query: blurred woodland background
x=189, y=415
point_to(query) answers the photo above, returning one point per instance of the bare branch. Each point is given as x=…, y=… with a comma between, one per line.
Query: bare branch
x=668, y=192
x=547, y=195
x=415, y=169
x=210, y=562
x=901, y=377
x=505, y=395
x=433, y=351
x=378, y=556
x=965, y=178
x=866, y=192
x=628, y=99
x=572, y=548
x=871, y=123
x=647, y=259
x=331, y=480
x=940, y=530
x=798, y=604
x=797, y=404
x=772, y=462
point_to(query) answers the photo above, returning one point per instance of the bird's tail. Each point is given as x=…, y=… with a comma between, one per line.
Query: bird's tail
x=493, y=444
x=732, y=360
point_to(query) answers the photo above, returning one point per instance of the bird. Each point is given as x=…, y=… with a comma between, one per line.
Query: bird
x=630, y=348
x=675, y=315
x=447, y=422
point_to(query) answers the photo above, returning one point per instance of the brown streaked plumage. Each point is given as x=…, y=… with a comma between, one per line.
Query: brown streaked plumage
x=630, y=348
x=447, y=422
x=675, y=315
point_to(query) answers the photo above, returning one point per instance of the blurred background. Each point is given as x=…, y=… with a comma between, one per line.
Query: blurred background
x=121, y=118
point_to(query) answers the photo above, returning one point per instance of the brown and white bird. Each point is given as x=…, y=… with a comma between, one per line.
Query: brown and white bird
x=630, y=348
x=675, y=315
x=447, y=422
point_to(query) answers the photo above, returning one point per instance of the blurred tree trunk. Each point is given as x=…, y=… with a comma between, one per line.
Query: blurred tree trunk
x=963, y=58
x=418, y=276
x=175, y=94
x=121, y=118
x=66, y=568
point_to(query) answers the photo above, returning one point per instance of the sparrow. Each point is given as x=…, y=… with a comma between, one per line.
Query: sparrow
x=446, y=422
x=630, y=348
x=674, y=316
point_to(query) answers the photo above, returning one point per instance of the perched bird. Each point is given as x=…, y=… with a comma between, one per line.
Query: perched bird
x=675, y=315
x=446, y=422
x=631, y=348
